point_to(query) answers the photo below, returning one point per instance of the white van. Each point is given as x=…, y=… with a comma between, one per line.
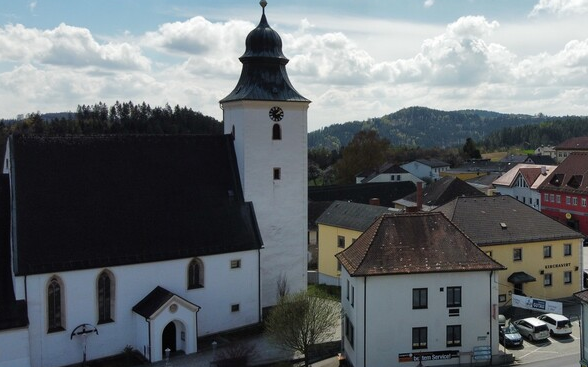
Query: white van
x=557, y=324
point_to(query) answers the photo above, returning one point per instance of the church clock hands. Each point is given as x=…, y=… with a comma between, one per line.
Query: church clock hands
x=276, y=113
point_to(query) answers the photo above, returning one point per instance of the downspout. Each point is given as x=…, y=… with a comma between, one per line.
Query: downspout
x=491, y=312
x=364, y=319
x=149, y=333
x=259, y=307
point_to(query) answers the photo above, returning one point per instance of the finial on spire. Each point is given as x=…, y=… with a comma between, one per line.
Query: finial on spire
x=263, y=4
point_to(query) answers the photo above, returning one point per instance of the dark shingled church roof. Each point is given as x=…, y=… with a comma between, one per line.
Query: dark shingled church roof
x=263, y=76
x=13, y=313
x=414, y=243
x=94, y=201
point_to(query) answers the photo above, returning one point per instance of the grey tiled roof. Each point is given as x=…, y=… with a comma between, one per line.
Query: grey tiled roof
x=414, y=243
x=443, y=191
x=491, y=220
x=348, y=215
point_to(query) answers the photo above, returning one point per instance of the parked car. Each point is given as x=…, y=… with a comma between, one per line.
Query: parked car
x=557, y=324
x=509, y=336
x=532, y=328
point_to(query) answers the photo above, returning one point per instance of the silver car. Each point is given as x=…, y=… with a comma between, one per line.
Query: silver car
x=532, y=328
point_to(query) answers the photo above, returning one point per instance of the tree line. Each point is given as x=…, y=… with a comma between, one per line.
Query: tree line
x=120, y=118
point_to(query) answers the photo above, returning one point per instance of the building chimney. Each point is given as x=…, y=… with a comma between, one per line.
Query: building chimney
x=543, y=170
x=375, y=201
x=419, y=194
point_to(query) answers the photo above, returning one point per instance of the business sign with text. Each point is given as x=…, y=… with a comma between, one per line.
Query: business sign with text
x=537, y=304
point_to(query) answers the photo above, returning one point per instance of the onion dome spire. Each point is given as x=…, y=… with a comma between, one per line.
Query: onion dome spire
x=263, y=76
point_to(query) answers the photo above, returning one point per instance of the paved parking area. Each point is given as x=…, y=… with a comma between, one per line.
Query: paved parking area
x=554, y=347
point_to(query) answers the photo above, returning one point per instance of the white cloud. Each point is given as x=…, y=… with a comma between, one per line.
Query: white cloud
x=429, y=3
x=32, y=5
x=67, y=46
x=198, y=36
x=560, y=7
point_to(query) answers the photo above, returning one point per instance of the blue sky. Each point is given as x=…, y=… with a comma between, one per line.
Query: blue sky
x=354, y=59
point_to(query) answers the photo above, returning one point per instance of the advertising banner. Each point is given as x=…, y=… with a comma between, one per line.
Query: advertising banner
x=535, y=304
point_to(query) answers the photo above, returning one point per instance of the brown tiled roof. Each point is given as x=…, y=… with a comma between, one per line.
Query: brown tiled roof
x=579, y=143
x=582, y=295
x=492, y=220
x=414, y=243
x=570, y=176
x=531, y=173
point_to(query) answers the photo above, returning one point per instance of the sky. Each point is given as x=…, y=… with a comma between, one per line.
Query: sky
x=353, y=59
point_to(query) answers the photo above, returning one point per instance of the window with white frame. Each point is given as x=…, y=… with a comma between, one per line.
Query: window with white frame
x=567, y=277
x=575, y=201
x=547, y=282
x=568, y=200
x=583, y=201
x=547, y=251
x=567, y=249
x=546, y=197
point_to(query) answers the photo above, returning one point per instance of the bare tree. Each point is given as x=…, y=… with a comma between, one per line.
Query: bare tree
x=283, y=288
x=300, y=321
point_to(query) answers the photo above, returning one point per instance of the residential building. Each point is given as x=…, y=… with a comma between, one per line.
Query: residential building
x=338, y=227
x=548, y=151
x=484, y=183
x=522, y=183
x=151, y=241
x=543, y=256
x=567, y=147
x=415, y=289
x=436, y=194
x=428, y=170
x=388, y=172
x=564, y=193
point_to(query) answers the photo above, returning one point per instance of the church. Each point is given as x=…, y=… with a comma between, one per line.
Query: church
x=150, y=242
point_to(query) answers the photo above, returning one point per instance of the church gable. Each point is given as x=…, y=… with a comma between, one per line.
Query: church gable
x=98, y=201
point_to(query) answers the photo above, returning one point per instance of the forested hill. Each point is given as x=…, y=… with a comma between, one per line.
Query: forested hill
x=423, y=127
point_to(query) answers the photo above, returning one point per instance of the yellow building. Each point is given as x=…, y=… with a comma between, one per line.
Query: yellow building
x=542, y=256
x=339, y=225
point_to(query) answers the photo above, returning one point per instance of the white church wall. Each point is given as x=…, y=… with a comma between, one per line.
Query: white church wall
x=280, y=205
x=14, y=348
x=223, y=287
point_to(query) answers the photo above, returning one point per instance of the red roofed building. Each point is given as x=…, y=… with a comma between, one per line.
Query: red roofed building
x=564, y=194
x=577, y=144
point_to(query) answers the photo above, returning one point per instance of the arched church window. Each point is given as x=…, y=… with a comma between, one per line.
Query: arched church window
x=276, y=132
x=55, y=320
x=105, y=297
x=195, y=274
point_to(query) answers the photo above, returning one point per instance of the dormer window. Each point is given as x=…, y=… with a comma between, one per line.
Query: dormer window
x=276, y=132
x=575, y=181
x=557, y=179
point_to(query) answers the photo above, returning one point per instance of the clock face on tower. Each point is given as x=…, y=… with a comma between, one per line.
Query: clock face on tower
x=276, y=113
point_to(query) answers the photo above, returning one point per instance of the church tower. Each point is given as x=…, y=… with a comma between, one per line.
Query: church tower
x=268, y=120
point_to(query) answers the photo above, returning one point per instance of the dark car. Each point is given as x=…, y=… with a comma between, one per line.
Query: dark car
x=509, y=336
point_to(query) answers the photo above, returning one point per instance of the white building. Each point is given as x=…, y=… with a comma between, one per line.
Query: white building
x=428, y=170
x=153, y=241
x=388, y=172
x=521, y=182
x=406, y=299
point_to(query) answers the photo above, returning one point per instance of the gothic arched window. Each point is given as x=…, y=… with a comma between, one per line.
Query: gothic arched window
x=195, y=274
x=55, y=320
x=105, y=291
